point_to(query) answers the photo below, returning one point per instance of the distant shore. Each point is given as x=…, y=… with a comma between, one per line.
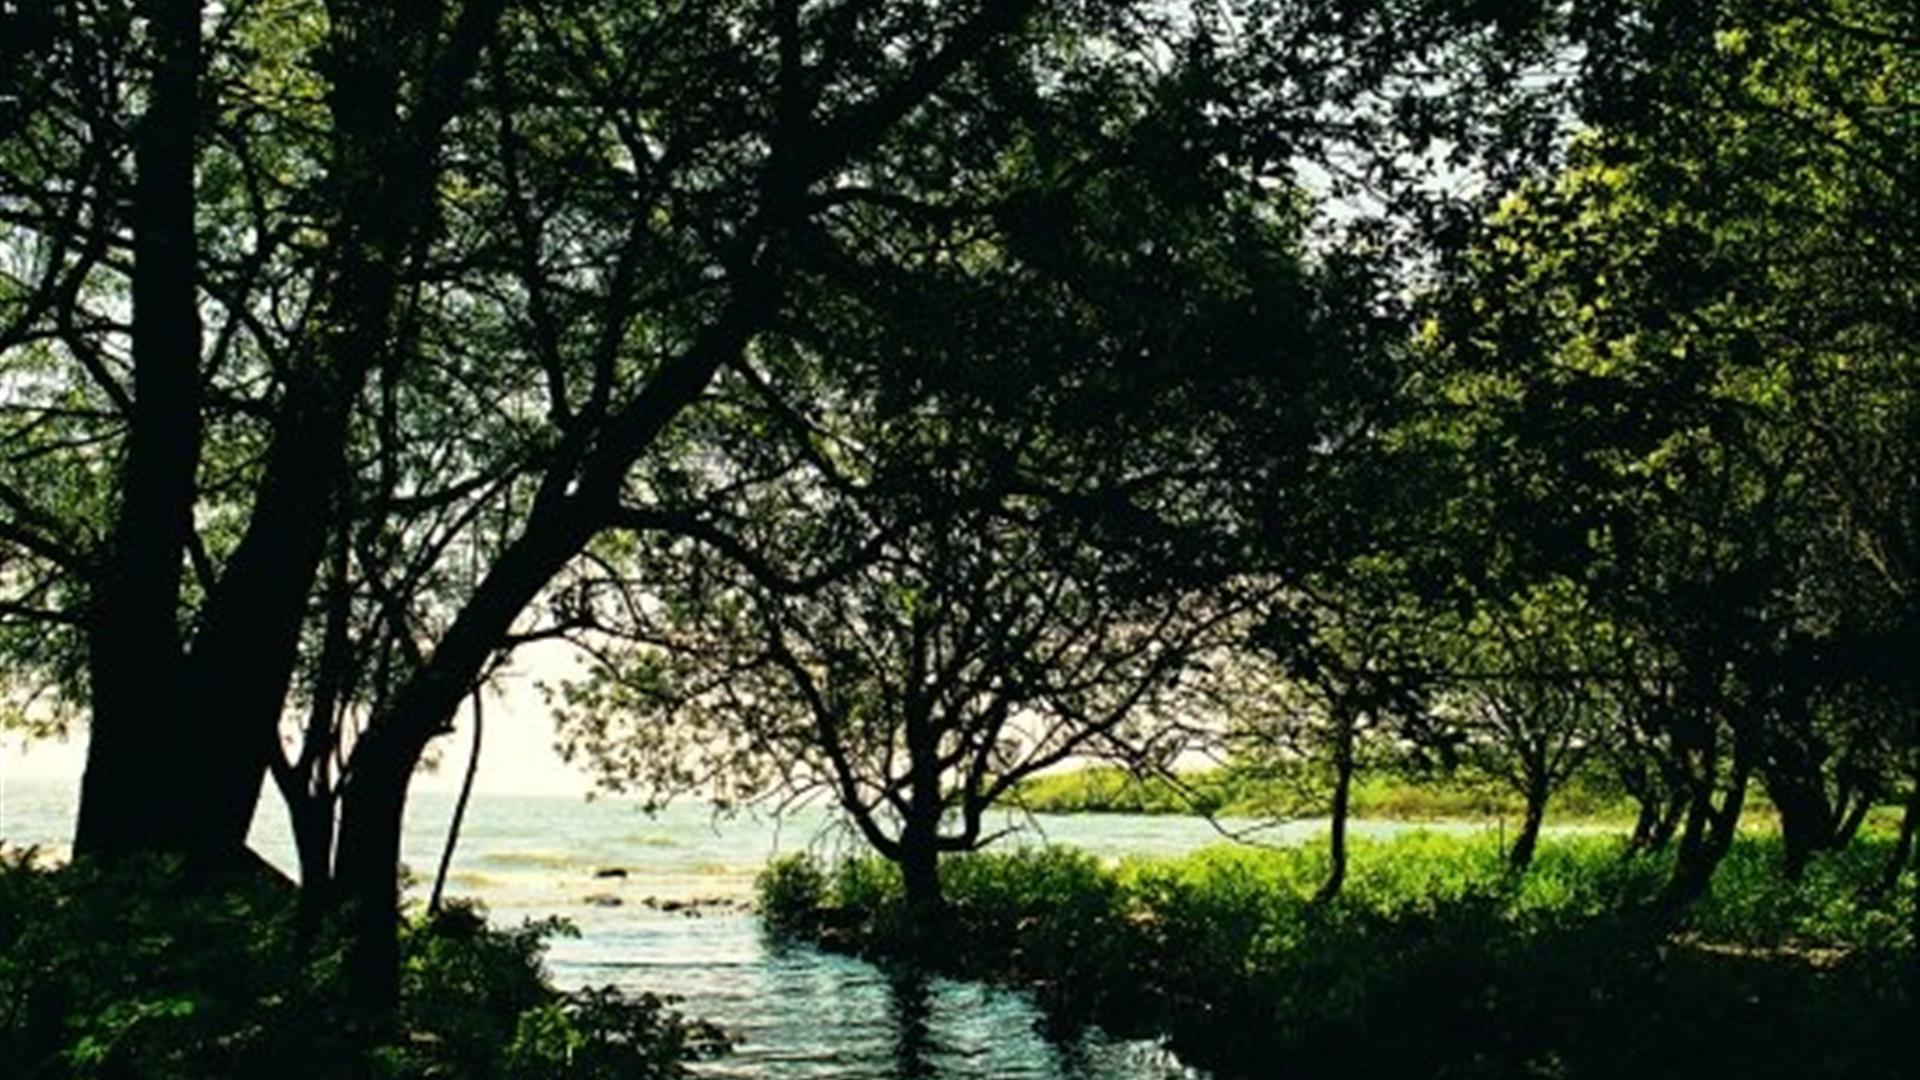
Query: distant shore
x=1227, y=792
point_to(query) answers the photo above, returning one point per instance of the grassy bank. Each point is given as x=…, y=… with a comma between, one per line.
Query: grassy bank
x=135, y=974
x=1236, y=792
x=1434, y=962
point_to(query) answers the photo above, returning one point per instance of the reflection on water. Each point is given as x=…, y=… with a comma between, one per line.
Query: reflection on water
x=659, y=902
x=913, y=1047
x=799, y=1012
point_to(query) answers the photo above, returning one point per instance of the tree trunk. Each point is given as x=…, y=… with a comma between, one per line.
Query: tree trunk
x=459, y=813
x=1902, y=847
x=1854, y=816
x=248, y=646
x=312, y=819
x=570, y=507
x=920, y=874
x=366, y=879
x=1521, y=855
x=1669, y=824
x=920, y=833
x=138, y=792
x=1807, y=821
x=1644, y=823
x=1337, y=813
x=1710, y=835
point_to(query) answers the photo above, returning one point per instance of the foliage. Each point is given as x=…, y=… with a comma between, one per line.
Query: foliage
x=141, y=971
x=790, y=890
x=1680, y=374
x=1436, y=959
x=1284, y=791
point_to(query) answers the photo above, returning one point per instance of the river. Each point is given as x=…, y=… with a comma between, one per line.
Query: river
x=660, y=903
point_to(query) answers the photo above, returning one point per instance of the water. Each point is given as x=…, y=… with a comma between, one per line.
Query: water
x=676, y=924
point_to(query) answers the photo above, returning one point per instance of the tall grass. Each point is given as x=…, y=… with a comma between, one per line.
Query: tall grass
x=1435, y=960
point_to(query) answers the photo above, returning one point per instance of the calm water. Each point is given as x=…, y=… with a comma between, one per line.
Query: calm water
x=676, y=924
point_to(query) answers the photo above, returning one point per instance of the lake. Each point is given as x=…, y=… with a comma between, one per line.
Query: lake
x=676, y=923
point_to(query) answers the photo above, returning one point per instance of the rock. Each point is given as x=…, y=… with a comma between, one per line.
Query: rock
x=603, y=900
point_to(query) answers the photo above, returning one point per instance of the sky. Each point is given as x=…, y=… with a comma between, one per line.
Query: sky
x=517, y=757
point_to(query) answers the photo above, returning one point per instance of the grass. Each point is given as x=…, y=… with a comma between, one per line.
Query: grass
x=1434, y=962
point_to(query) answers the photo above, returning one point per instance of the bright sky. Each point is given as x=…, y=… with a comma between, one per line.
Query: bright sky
x=517, y=758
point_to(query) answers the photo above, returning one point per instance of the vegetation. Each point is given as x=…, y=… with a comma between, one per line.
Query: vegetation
x=1266, y=793
x=128, y=972
x=1436, y=959
x=903, y=398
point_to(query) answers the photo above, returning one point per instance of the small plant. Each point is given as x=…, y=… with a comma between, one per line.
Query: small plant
x=791, y=891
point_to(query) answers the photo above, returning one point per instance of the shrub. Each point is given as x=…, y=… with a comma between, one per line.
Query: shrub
x=1436, y=960
x=791, y=891
x=136, y=971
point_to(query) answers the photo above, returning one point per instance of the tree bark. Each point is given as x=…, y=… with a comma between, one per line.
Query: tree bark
x=366, y=878
x=1807, y=822
x=1521, y=855
x=920, y=874
x=920, y=833
x=1710, y=833
x=1644, y=823
x=138, y=792
x=248, y=647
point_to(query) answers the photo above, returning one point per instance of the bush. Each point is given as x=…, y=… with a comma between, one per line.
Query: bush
x=1436, y=960
x=792, y=889
x=139, y=972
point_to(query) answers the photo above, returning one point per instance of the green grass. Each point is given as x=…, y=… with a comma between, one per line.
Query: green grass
x=1434, y=961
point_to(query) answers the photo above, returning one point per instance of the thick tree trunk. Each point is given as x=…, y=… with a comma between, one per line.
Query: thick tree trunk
x=1807, y=823
x=920, y=875
x=312, y=820
x=248, y=647
x=366, y=878
x=560, y=525
x=920, y=833
x=139, y=791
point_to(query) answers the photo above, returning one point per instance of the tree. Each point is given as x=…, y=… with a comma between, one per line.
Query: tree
x=425, y=299
x=962, y=655
x=327, y=354
x=1323, y=669
x=1693, y=373
x=1524, y=699
x=980, y=554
